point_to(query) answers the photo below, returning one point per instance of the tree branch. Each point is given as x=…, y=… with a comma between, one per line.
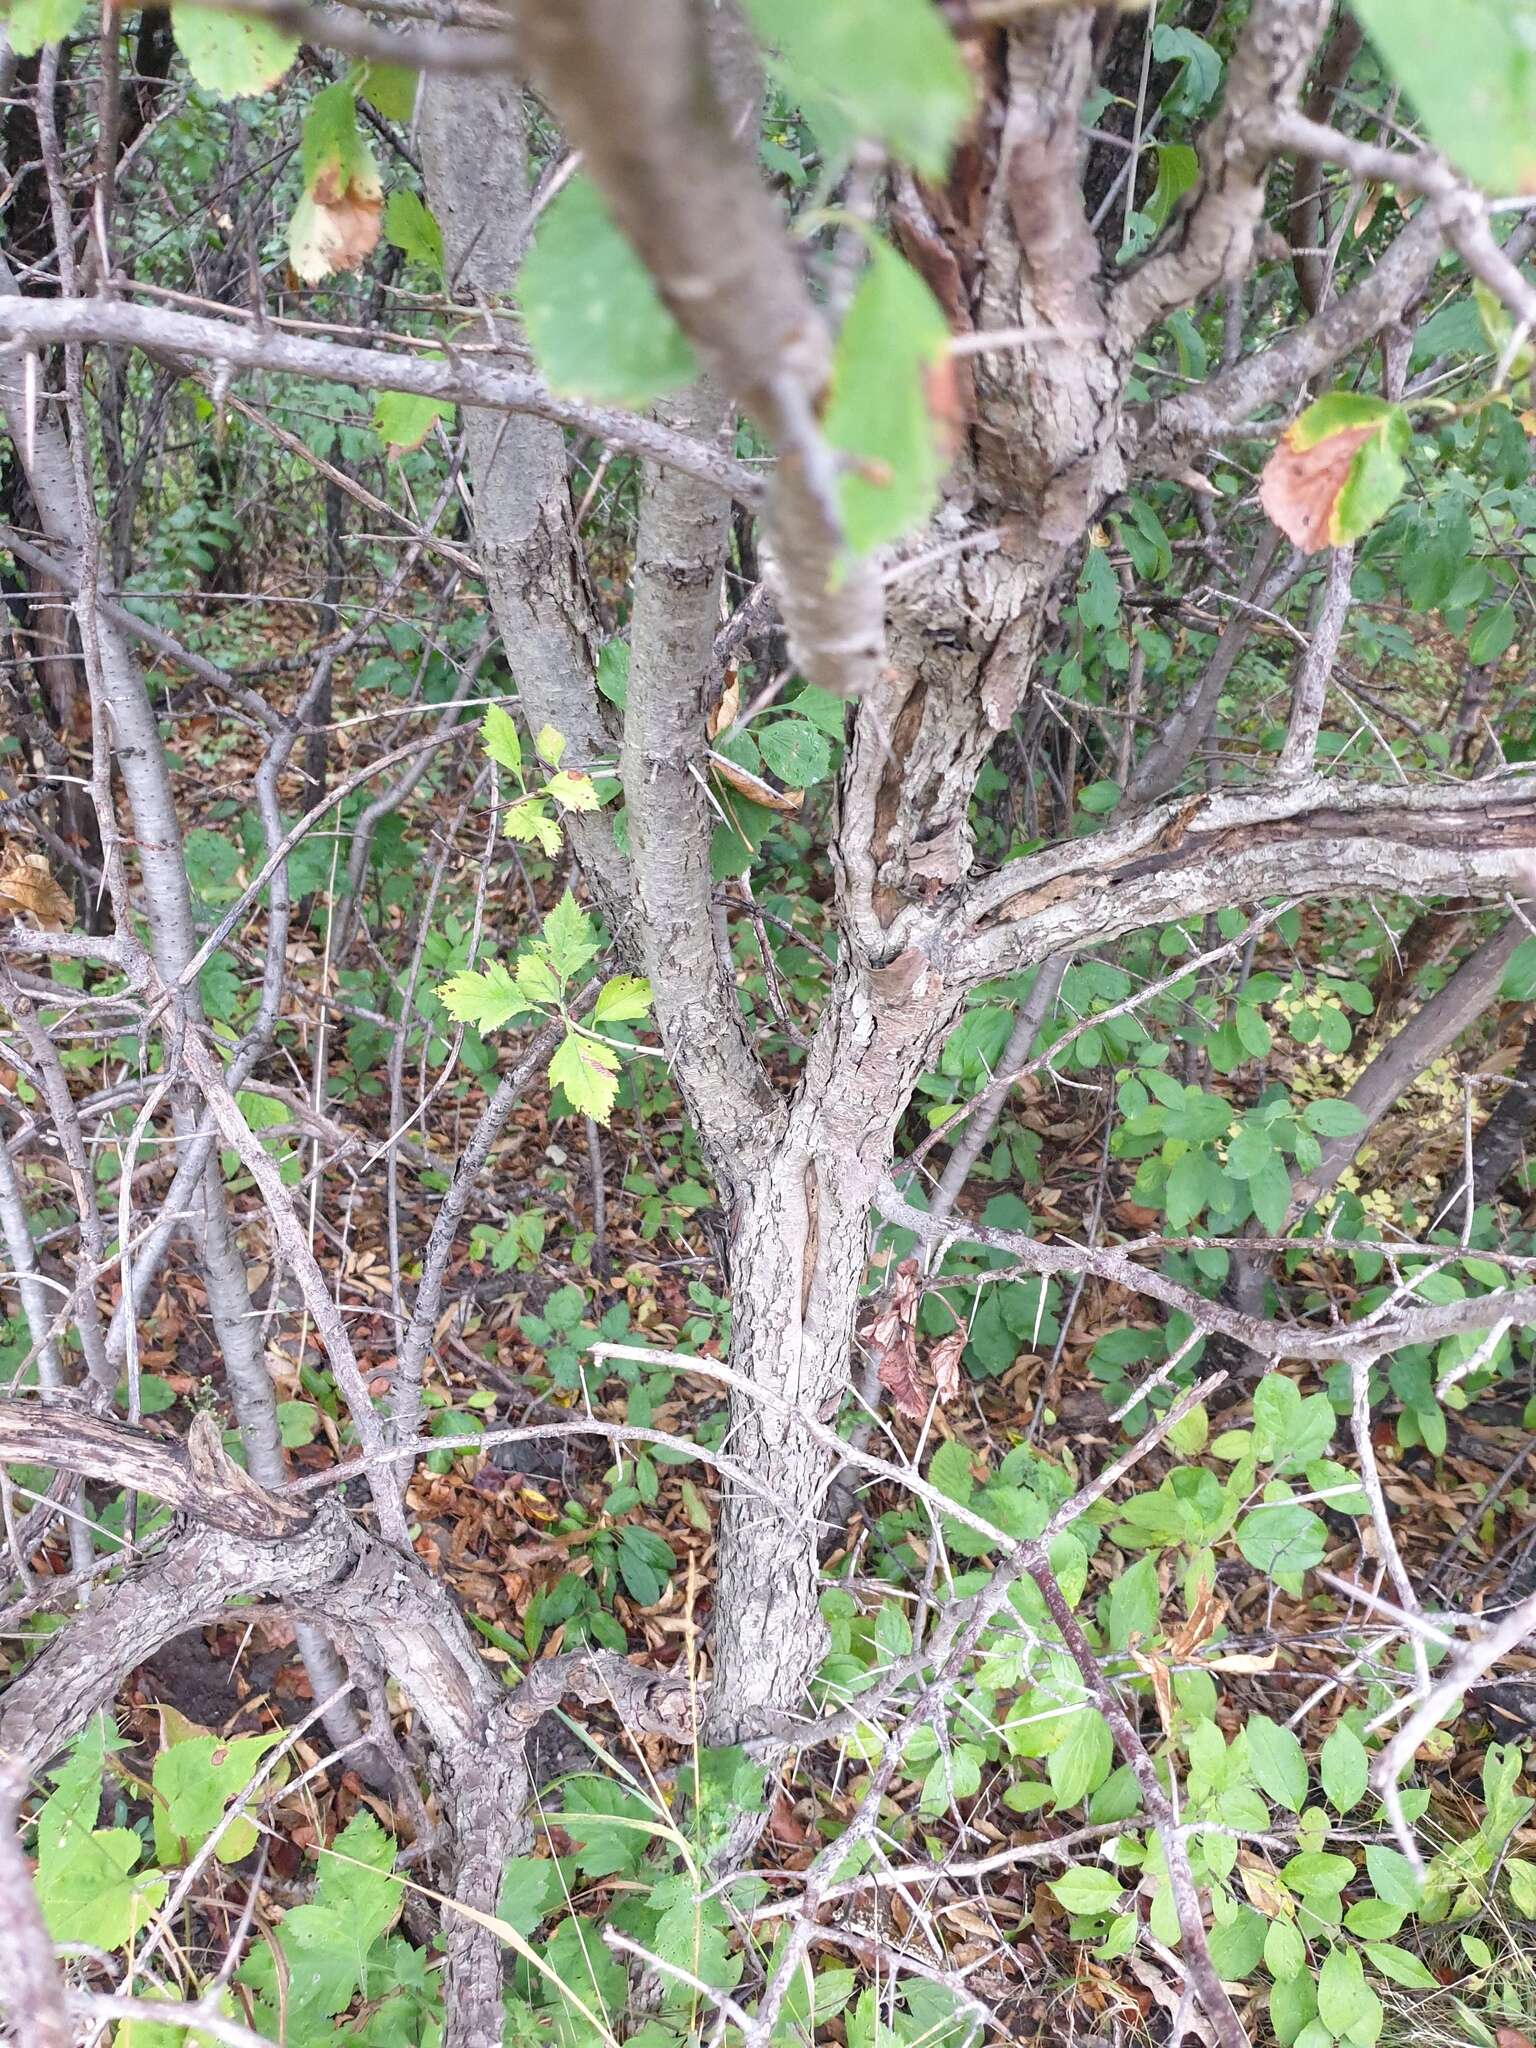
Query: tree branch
x=1308, y=838
x=646, y=115
x=457, y=378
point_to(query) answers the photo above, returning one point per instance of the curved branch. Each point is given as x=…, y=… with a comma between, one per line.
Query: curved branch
x=1307, y=838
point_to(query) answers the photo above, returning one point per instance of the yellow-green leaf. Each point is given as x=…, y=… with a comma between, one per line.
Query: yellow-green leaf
x=232, y=55
x=588, y=1071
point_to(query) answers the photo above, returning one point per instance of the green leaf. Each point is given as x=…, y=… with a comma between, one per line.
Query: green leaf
x=588, y=1071
x=1392, y=1877
x=1282, y=1537
x=1269, y=1190
x=1469, y=67
x=889, y=70
x=529, y=822
x=1344, y=1768
x=530, y=1888
x=1185, y=1195
x=409, y=226
x=1279, y=1765
x=1333, y=1117
x=1088, y=1890
x=487, y=1000
x=1099, y=797
x=570, y=936
x=89, y=1894
x=1492, y=636
x=796, y=752
x=1314, y=1872
x=1098, y=592
x=194, y=1782
x=1519, y=981
x=1250, y=1152
x=1401, y=1967
x=1284, y=1950
x=402, y=420
x=231, y=55
x=622, y=998
x=391, y=90
x=1252, y=1031
x=1081, y=1760
x=1134, y=1604
x=536, y=979
x=1177, y=169
x=594, y=319
x=1237, y=1945
x=499, y=735
x=34, y=22
x=878, y=413
x=1344, y=1999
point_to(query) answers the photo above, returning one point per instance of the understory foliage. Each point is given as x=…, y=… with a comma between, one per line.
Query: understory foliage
x=769, y=1023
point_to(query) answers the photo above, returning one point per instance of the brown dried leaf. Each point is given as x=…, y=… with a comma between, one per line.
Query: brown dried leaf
x=724, y=714
x=27, y=887
x=1203, y=1620
x=898, y=1376
x=892, y=1336
x=1300, y=486
x=944, y=1363
x=753, y=787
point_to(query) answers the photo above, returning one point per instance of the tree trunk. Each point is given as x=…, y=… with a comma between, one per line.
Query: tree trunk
x=799, y=1249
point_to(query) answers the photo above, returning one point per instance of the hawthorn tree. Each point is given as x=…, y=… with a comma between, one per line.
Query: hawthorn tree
x=1035, y=417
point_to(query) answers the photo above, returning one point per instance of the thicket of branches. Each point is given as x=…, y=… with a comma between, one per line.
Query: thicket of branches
x=766, y=957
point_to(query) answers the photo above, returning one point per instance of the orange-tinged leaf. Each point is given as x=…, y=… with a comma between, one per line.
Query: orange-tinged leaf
x=1338, y=469
x=1300, y=486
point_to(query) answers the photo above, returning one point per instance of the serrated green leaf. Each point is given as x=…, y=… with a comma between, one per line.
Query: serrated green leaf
x=530, y=823
x=194, y=1781
x=588, y=1071
x=391, y=90
x=889, y=69
x=622, y=998
x=879, y=414
x=499, y=735
x=486, y=999
x=232, y=55
x=410, y=227
x=573, y=791
x=594, y=319
x=402, y=420
x=570, y=936
x=32, y=23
